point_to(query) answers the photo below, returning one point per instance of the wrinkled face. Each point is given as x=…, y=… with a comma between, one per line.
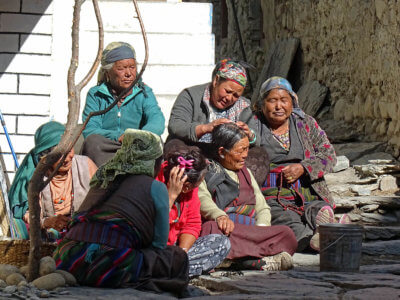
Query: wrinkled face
x=67, y=162
x=122, y=74
x=277, y=107
x=225, y=93
x=235, y=158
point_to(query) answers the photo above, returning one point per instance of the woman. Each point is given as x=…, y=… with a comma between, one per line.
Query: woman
x=199, y=109
x=119, y=235
x=300, y=155
x=232, y=204
x=62, y=196
x=137, y=109
x=183, y=172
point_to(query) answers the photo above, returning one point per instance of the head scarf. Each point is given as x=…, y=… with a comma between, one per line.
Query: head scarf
x=113, y=52
x=231, y=70
x=280, y=83
x=46, y=136
x=140, y=149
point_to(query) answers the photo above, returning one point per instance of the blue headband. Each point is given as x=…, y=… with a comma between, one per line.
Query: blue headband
x=119, y=53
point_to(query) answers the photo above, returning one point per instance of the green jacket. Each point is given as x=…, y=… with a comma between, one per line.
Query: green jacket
x=139, y=110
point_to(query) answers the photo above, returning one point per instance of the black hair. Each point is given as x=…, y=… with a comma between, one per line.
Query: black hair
x=188, y=153
x=226, y=136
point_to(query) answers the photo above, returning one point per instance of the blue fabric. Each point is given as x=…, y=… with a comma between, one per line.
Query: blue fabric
x=159, y=193
x=122, y=52
x=139, y=110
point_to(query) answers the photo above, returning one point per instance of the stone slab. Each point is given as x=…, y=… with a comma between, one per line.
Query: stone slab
x=384, y=201
x=354, y=151
x=381, y=232
x=342, y=163
x=378, y=218
x=382, y=248
x=373, y=156
x=311, y=97
x=373, y=294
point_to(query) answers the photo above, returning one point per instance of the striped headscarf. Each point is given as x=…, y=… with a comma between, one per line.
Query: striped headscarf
x=231, y=70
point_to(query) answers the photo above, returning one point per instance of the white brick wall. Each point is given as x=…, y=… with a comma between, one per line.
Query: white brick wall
x=11, y=123
x=10, y=5
x=34, y=84
x=8, y=83
x=21, y=143
x=9, y=42
x=25, y=63
x=25, y=104
x=37, y=6
x=33, y=43
x=29, y=124
x=24, y=23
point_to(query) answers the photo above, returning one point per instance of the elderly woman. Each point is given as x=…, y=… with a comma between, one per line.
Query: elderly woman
x=137, y=109
x=233, y=204
x=182, y=172
x=300, y=155
x=199, y=109
x=119, y=235
x=65, y=192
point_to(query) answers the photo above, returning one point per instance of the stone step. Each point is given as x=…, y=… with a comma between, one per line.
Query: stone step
x=353, y=202
x=381, y=232
x=382, y=248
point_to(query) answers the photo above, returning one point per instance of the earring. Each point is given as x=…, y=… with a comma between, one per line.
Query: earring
x=222, y=156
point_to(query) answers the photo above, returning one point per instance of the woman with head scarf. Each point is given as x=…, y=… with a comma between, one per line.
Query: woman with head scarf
x=198, y=109
x=65, y=192
x=137, y=109
x=119, y=235
x=232, y=204
x=300, y=155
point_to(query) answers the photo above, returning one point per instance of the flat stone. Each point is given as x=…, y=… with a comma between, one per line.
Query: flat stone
x=382, y=248
x=311, y=97
x=381, y=233
x=10, y=289
x=278, y=61
x=388, y=183
x=375, y=158
x=376, y=218
x=382, y=201
x=301, y=259
x=363, y=190
x=342, y=163
x=353, y=151
x=376, y=170
x=372, y=294
x=369, y=207
x=373, y=269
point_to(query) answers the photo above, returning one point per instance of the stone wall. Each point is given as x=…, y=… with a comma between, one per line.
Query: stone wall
x=352, y=47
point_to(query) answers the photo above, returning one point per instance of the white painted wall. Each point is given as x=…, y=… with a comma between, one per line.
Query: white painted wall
x=35, y=51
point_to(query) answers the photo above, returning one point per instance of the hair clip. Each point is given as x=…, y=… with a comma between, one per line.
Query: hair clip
x=185, y=164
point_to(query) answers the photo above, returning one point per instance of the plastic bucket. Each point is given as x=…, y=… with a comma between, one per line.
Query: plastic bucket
x=340, y=247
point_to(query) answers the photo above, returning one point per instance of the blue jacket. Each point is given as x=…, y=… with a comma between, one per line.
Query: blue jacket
x=139, y=110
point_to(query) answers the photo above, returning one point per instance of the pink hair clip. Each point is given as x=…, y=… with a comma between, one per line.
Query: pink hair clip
x=185, y=164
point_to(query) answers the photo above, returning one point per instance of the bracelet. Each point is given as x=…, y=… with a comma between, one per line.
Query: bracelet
x=255, y=137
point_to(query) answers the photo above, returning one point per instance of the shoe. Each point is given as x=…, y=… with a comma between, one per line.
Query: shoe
x=314, y=242
x=282, y=261
x=325, y=215
x=345, y=219
x=226, y=263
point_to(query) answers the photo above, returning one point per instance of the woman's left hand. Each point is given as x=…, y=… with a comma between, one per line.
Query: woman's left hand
x=246, y=129
x=292, y=172
x=175, y=183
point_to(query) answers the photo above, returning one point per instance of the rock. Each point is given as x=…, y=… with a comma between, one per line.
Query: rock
x=361, y=190
x=372, y=294
x=353, y=151
x=382, y=201
x=381, y=233
x=24, y=270
x=354, y=217
x=342, y=163
x=369, y=208
x=382, y=248
x=3, y=284
x=23, y=283
x=340, y=189
x=69, y=278
x=10, y=289
x=15, y=279
x=374, y=218
x=375, y=158
x=388, y=183
x=277, y=62
x=23, y=288
x=393, y=268
x=49, y=281
x=44, y=294
x=47, y=265
x=311, y=97
x=376, y=170
x=6, y=270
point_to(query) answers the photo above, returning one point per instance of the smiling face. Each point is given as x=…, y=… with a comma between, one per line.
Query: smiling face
x=122, y=74
x=278, y=106
x=235, y=158
x=225, y=93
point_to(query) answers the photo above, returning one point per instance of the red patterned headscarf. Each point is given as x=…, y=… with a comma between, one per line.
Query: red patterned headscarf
x=231, y=70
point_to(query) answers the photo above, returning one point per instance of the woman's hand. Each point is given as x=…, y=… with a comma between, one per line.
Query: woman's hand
x=225, y=225
x=292, y=172
x=58, y=222
x=175, y=184
x=207, y=128
x=246, y=129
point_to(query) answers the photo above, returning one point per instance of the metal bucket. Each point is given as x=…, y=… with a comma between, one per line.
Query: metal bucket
x=340, y=247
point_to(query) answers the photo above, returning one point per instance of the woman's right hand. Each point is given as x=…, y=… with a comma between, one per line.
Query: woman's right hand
x=175, y=183
x=225, y=224
x=207, y=128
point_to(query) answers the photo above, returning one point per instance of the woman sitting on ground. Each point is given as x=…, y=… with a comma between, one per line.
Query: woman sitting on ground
x=62, y=196
x=182, y=172
x=300, y=155
x=119, y=235
x=198, y=109
x=232, y=204
x=137, y=109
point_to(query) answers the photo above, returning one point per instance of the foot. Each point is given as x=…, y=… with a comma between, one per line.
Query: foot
x=325, y=215
x=282, y=261
x=345, y=219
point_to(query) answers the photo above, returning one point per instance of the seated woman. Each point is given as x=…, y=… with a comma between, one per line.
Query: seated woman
x=198, y=109
x=137, y=109
x=182, y=172
x=232, y=204
x=62, y=196
x=300, y=155
x=119, y=235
